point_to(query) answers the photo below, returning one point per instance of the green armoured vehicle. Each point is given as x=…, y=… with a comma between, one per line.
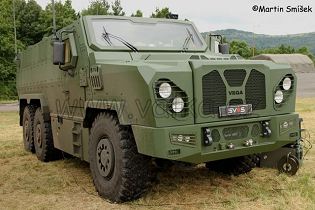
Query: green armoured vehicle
x=123, y=93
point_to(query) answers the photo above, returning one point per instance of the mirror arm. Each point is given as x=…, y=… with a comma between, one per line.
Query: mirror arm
x=65, y=31
x=217, y=35
x=60, y=67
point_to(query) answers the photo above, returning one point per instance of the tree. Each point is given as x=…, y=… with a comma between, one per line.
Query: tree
x=65, y=15
x=7, y=51
x=306, y=51
x=138, y=14
x=241, y=48
x=29, y=29
x=117, y=9
x=163, y=13
x=283, y=49
x=97, y=7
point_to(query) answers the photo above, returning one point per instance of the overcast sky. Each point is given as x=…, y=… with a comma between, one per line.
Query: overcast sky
x=211, y=15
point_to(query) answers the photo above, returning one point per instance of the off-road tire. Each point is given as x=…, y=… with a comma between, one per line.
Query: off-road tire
x=28, y=128
x=234, y=166
x=43, y=139
x=129, y=173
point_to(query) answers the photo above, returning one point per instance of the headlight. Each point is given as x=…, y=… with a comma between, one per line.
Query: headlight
x=178, y=105
x=278, y=96
x=165, y=90
x=287, y=83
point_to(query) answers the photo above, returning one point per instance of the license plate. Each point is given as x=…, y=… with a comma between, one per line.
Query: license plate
x=235, y=110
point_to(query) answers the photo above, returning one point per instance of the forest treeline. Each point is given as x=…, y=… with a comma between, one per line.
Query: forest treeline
x=34, y=22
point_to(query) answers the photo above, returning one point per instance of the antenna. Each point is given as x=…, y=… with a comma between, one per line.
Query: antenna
x=54, y=20
x=14, y=25
x=254, y=44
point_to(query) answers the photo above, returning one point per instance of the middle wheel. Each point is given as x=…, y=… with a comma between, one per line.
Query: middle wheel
x=43, y=138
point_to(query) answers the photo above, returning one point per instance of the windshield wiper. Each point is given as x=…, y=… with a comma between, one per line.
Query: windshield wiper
x=187, y=40
x=107, y=37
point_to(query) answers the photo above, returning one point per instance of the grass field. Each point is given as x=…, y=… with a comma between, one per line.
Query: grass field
x=26, y=183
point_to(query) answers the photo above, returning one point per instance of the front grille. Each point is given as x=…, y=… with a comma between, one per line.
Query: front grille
x=214, y=92
x=235, y=77
x=215, y=95
x=255, y=90
x=236, y=102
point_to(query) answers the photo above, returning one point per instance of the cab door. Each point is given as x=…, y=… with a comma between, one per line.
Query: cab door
x=67, y=123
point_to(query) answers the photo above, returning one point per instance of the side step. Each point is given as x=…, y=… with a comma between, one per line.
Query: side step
x=77, y=139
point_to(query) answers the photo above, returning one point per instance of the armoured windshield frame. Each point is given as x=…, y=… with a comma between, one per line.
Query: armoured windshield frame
x=94, y=31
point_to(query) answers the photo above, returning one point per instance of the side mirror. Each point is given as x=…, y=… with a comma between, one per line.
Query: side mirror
x=224, y=48
x=58, y=53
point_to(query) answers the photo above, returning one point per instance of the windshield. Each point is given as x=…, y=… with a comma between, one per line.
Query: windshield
x=160, y=35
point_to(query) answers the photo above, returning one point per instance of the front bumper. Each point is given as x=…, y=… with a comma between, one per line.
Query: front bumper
x=232, y=141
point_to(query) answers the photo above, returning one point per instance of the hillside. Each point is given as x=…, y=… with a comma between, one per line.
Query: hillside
x=268, y=41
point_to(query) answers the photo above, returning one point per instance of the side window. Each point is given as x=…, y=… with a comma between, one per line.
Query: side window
x=71, y=55
x=216, y=47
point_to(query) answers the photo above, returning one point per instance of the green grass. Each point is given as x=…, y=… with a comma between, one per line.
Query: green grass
x=66, y=184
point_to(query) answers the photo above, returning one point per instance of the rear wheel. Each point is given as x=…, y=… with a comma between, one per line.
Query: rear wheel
x=28, y=131
x=119, y=172
x=43, y=140
x=234, y=166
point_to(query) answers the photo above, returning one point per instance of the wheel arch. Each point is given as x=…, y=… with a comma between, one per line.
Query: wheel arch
x=37, y=100
x=93, y=108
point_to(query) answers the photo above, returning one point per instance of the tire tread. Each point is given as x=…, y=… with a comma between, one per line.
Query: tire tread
x=29, y=110
x=135, y=173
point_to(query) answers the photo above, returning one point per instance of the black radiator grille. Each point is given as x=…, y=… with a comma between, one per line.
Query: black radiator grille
x=235, y=77
x=214, y=89
x=236, y=102
x=255, y=90
x=214, y=92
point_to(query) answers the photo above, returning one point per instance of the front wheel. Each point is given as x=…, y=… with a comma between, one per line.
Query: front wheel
x=119, y=172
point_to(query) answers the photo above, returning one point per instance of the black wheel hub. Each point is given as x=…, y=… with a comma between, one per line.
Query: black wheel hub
x=105, y=157
x=39, y=136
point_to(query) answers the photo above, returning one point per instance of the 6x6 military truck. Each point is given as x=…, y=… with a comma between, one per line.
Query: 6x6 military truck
x=122, y=92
